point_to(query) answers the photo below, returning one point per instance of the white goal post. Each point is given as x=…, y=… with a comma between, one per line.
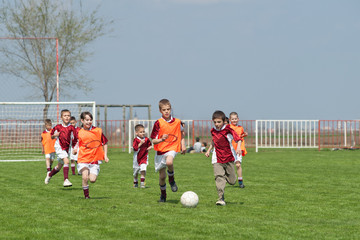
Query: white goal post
x=21, y=125
x=148, y=124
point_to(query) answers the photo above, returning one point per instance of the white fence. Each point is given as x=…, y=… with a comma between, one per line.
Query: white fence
x=148, y=124
x=286, y=133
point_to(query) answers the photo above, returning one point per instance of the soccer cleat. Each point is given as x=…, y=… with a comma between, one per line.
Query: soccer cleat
x=142, y=185
x=135, y=185
x=162, y=198
x=67, y=183
x=87, y=197
x=47, y=179
x=220, y=202
x=174, y=187
x=241, y=185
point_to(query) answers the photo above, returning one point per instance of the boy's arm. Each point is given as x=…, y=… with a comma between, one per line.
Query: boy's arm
x=136, y=145
x=149, y=146
x=183, y=147
x=54, y=133
x=207, y=154
x=105, y=153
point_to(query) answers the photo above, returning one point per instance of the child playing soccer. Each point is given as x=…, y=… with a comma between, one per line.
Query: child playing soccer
x=141, y=146
x=73, y=157
x=47, y=145
x=92, y=147
x=168, y=139
x=223, y=161
x=62, y=133
x=234, y=120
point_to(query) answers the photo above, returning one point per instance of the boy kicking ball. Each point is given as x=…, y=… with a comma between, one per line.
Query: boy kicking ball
x=168, y=139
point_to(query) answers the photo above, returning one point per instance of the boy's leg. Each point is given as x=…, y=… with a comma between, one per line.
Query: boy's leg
x=48, y=166
x=85, y=181
x=92, y=178
x=67, y=183
x=220, y=180
x=142, y=179
x=230, y=174
x=73, y=166
x=136, y=182
x=162, y=184
x=170, y=172
x=55, y=170
x=239, y=173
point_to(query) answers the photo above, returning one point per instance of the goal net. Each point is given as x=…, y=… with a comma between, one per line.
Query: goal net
x=21, y=125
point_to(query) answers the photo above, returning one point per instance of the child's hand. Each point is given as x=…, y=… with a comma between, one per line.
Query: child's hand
x=106, y=159
x=142, y=141
x=56, y=134
x=74, y=152
x=244, y=134
x=164, y=137
x=207, y=154
x=149, y=148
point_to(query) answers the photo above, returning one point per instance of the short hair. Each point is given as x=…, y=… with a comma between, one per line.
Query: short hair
x=72, y=118
x=47, y=121
x=233, y=113
x=138, y=127
x=83, y=115
x=65, y=110
x=164, y=102
x=198, y=139
x=218, y=114
x=227, y=119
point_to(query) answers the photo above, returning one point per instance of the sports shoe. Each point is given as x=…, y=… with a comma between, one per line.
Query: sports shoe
x=174, y=187
x=220, y=202
x=241, y=185
x=142, y=185
x=47, y=179
x=135, y=185
x=162, y=198
x=87, y=197
x=67, y=183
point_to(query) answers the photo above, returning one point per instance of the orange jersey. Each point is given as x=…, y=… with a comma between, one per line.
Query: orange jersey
x=173, y=128
x=239, y=130
x=90, y=145
x=47, y=142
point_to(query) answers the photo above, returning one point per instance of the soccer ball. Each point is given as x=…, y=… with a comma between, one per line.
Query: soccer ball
x=189, y=199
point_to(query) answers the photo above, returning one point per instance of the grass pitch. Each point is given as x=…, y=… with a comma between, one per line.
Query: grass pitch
x=289, y=194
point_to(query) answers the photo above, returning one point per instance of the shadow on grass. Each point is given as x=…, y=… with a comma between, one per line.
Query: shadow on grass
x=173, y=201
x=234, y=203
x=70, y=189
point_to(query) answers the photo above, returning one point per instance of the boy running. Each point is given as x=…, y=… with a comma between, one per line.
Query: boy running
x=92, y=150
x=62, y=133
x=168, y=139
x=141, y=146
x=47, y=145
x=223, y=161
x=234, y=120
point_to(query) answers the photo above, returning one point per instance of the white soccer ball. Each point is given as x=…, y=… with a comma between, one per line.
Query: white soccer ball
x=189, y=199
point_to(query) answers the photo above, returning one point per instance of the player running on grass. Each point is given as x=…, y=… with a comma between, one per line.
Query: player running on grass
x=234, y=120
x=168, y=139
x=92, y=147
x=62, y=133
x=47, y=145
x=223, y=159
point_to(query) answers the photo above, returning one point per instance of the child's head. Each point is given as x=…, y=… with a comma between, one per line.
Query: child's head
x=86, y=119
x=65, y=116
x=197, y=139
x=140, y=130
x=165, y=108
x=234, y=118
x=73, y=121
x=218, y=118
x=48, y=124
x=226, y=120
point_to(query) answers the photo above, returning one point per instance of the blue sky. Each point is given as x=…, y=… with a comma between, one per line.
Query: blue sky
x=277, y=59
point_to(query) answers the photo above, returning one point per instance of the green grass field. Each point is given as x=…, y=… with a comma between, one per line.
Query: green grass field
x=289, y=194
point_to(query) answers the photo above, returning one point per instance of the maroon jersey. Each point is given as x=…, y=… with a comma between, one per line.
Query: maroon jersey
x=65, y=135
x=222, y=140
x=142, y=152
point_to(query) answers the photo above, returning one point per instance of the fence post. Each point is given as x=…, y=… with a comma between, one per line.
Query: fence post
x=319, y=134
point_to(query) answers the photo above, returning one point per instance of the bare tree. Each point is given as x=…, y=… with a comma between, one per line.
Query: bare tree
x=34, y=61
